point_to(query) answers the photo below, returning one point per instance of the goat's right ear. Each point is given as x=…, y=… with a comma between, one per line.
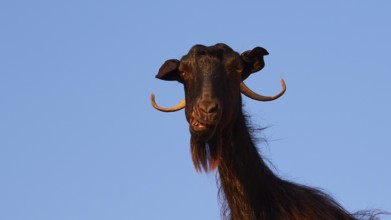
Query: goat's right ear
x=253, y=61
x=169, y=70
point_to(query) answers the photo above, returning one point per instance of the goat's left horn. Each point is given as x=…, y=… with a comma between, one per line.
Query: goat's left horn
x=249, y=93
x=175, y=108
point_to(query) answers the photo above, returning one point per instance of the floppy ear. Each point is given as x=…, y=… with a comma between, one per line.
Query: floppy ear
x=169, y=70
x=253, y=61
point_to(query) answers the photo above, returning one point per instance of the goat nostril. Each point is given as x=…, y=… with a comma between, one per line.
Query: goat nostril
x=208, y=107
x=212, y=108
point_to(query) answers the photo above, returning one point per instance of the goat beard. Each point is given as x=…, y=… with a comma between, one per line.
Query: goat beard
x=206, y=155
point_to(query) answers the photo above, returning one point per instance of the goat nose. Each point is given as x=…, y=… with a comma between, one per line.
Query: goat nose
x=208, y=106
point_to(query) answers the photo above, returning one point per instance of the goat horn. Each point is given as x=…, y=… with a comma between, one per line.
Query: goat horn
x=249, y=93
x=175, y=108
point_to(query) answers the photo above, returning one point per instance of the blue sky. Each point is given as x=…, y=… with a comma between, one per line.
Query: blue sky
x=79, y=139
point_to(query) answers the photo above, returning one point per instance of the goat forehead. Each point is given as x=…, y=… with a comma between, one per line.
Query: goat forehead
x=209, y=61
x=202, y=65
x=218, y=51
x=215, y=61
x=210, y=64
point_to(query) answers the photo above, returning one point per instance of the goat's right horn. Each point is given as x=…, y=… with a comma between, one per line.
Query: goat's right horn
x=249, y=93
x=175, y=108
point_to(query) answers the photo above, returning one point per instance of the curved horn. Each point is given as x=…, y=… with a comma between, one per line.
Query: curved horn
x=249, y=93
x=175, y=108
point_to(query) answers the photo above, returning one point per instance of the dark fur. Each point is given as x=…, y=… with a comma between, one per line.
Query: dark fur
x=248, y=188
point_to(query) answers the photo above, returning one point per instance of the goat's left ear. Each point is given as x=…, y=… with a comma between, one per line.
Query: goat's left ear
x=253, y=61
x=169, y=70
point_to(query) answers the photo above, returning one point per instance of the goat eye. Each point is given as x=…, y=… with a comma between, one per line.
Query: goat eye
x=183, y=74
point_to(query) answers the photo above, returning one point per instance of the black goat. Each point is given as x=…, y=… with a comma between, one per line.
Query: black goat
x=213, y=80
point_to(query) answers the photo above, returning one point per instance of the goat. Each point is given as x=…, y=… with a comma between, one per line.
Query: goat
x=220, y=138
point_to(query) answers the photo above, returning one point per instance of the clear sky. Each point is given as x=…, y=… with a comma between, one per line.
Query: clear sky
x=79, y=139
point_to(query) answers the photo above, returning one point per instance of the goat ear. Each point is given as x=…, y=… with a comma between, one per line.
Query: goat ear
x=169, y=70
x=253, y=61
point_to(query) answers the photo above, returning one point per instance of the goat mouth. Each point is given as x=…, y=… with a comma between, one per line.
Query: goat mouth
x=200, y=127
x=197, y=125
